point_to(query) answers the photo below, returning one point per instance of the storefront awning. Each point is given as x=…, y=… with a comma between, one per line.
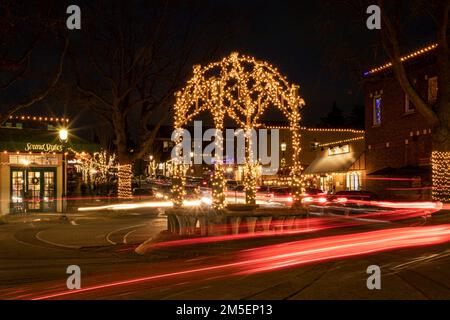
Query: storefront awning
x=332, y=163
x=13, y=140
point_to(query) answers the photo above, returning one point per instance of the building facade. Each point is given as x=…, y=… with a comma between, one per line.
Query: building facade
x=32, y=166
x=315, y=142
x=398, y=139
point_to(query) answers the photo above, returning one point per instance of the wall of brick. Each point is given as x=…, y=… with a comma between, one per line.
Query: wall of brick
x=403, y=138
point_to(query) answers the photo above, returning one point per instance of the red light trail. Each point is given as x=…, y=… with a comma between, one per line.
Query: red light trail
x=402, y=211
x=291, y=254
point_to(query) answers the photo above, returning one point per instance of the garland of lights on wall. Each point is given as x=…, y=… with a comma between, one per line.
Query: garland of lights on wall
x=242, y=88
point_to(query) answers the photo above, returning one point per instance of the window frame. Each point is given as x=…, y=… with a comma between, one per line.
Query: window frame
x=430, y=79
x=407, y=103
x=374, y=99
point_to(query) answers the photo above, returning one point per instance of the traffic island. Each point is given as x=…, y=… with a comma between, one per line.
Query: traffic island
x=198, y=222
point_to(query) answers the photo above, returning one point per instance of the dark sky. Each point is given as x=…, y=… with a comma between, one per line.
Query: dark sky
x=288, y=35
x=321, y=45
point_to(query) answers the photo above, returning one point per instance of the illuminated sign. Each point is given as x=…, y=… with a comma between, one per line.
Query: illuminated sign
x=44, y=147
x=339, y=150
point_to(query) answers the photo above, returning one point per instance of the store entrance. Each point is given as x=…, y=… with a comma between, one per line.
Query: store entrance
x=33, y=189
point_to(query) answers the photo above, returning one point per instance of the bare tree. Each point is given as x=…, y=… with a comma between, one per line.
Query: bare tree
x=21, y=35
x=437, y=114
x=137, y=56
x=397, y=19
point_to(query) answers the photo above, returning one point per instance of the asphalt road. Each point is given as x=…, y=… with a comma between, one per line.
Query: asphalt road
x=34, y=256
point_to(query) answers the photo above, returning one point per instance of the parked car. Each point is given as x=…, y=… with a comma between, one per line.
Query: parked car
x=143, y=193
x=281, y=195
x=314, y=192
x=342, y=196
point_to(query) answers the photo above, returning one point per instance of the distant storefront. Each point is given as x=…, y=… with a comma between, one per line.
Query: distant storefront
x=338, y=166
x=31, y=165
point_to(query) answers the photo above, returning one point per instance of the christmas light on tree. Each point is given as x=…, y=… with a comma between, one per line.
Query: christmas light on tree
x=241, y=88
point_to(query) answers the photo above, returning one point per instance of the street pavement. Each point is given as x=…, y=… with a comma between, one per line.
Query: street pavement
x=35, y=253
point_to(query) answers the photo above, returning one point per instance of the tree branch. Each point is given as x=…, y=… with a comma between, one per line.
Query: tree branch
x=392, y=47
x=40, y=96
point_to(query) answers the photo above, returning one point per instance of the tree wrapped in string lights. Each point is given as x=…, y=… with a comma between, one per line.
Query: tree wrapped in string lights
x=241, y=88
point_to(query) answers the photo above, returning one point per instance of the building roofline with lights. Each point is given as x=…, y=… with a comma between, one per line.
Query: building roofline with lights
x=406, y=58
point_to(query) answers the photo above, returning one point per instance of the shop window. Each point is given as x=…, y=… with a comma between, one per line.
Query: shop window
x=353, y=181
x=33, y=159
x=336, y=150
x=432, y=89
x=377, y=110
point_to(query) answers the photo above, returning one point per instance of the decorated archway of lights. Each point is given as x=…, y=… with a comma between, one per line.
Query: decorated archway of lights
x=242, y=88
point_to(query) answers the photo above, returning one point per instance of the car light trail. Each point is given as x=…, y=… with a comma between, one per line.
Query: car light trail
x=138, y=205
x=309, y=225
x=329, y=248
x=291, y=254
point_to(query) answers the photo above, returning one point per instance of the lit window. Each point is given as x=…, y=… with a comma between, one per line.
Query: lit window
x=376, y=110
x=332, y=151
x=33, y=159
x=409, y=106
x=432, y=89
x=353, y=181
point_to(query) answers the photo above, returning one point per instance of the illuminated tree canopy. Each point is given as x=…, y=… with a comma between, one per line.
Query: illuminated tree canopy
x=241, y=88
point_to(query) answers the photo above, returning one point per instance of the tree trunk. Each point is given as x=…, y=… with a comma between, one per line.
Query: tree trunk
x=124, y=175
x=440, y=161
x=249, y=169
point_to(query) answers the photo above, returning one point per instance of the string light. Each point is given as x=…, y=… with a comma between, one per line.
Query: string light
x=124, y=175
x=403, y=58
x=38, y=118
x=440, y=163
x=341, y=141
x=242, y=88
x=318, y=129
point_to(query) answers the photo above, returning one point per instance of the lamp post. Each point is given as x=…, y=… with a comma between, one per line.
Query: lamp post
x=151, y=166
x=63, y=135
x=25, y=197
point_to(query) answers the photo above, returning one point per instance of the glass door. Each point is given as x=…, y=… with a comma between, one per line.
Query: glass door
x=33, y=194
x=49, y=191
x=33, y=189
x=17, y=190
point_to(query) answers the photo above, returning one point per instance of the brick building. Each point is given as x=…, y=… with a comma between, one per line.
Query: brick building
x=398, y=139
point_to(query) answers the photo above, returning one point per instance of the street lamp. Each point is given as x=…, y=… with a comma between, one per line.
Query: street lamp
x=63, y=135
x=151, y=166
x=25, y=163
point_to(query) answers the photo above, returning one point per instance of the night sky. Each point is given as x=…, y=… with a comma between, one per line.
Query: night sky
x=291, y=36
x=324, y=46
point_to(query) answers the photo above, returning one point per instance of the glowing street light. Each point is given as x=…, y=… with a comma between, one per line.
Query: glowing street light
x=63, y=134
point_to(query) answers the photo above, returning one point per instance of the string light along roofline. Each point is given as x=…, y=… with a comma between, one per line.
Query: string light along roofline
x=349, y=130
x=39, y=118
x=404, y=58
